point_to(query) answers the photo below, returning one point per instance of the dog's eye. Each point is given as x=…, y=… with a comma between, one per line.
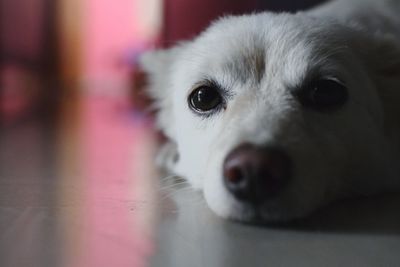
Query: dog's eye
x=205, y=98
x=324, y=95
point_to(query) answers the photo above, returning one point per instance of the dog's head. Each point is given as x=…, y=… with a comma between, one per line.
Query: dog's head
x=273, y=115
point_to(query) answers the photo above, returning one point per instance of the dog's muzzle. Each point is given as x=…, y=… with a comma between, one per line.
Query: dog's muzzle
x=256, y=174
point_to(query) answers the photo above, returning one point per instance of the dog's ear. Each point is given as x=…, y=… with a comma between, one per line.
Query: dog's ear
x=381, y=54
x=385, y=57
x=158, y=66
x=155, y=64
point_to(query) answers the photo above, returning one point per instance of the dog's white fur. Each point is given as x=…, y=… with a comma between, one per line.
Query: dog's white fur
x=258, y=58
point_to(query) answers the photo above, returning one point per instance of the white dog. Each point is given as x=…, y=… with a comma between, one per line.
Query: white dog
x=273, y=115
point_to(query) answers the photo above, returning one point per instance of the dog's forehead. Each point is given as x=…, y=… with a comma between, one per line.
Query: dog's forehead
x=251, y=47
x=246, y=64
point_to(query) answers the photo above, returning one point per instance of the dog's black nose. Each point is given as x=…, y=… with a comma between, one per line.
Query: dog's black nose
x=256, y=174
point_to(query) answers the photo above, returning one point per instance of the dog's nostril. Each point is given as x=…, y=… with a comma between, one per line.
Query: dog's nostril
x=236, y=180
x=255, y=174
x=233, y=175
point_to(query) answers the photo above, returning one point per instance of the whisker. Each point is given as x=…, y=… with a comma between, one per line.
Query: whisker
x=170, y=177
x=176, y=185
x=172, y=186
x=176, y=191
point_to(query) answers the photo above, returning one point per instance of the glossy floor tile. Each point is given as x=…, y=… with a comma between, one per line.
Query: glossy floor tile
x=353, y=233
x=71, y=198
x=87, y=194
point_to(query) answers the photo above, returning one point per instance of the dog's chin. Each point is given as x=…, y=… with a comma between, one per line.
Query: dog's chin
x=274, y=212
x=266, y=216
x=281, y=209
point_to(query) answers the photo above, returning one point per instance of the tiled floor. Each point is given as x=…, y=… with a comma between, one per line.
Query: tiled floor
x=71, y=198
x=354, y=233
x=88, y=200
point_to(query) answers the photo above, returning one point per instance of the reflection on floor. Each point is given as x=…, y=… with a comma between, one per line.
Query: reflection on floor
x=73, y=200
x=85, y=197
x=359, y=233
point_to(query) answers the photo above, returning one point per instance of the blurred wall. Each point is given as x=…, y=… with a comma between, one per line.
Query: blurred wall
x=28, y=59
x=21, y=28
x=184, y=19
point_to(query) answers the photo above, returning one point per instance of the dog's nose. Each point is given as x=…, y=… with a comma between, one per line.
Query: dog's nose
x=256, y=174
